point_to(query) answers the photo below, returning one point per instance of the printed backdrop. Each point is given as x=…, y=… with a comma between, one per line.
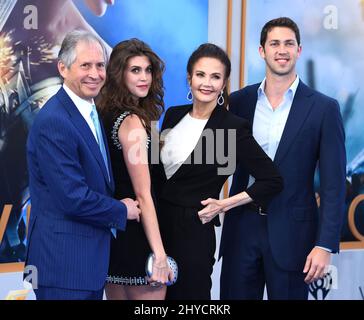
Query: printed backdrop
x=30, y=35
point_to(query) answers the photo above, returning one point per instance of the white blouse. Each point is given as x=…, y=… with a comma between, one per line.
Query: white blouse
x=180, y=142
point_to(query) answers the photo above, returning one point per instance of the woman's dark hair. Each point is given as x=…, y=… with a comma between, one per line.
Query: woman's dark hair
x=209, y=50
x=115, y=96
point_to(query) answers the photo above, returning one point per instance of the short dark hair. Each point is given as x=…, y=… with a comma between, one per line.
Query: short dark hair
x=279, y=22
x=210, y=50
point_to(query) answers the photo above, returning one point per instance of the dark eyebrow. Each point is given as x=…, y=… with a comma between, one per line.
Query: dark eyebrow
x=277, y=40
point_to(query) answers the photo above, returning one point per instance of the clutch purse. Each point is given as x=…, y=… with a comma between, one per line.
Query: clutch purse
x=171, y=263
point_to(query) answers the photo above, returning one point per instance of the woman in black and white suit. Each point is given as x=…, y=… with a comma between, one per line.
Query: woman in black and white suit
x=200, y=151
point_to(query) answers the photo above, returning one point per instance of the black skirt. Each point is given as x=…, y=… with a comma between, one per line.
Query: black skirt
x=128, y=255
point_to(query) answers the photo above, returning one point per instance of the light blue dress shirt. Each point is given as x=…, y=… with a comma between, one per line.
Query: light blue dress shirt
x=269, y=123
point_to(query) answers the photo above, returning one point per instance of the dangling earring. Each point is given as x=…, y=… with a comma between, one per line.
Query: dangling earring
x=189, y=95
x=221, y=100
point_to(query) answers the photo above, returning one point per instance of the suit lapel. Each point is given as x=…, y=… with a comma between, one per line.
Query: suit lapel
x=178, y=114
x=301, y=106
x=86, y=133
x=215, y=118
x=251, y=105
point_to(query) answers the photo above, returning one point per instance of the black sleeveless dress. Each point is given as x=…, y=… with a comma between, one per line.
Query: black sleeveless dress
x=130, y=249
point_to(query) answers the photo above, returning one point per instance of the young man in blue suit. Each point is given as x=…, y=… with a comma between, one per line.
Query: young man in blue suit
x=287, y=245
x=71, y=183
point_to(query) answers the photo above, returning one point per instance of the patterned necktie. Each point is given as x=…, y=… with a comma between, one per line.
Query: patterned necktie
x=100, y=140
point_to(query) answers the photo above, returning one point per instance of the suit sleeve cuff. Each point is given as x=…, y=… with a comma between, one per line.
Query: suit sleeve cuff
x=324, y=248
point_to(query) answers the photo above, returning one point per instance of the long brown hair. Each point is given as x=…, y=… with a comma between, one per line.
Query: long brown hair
x=115, y=97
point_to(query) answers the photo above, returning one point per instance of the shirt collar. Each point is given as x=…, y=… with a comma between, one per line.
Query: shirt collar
x=291, y=90
x=261, y=88
x=84, y=106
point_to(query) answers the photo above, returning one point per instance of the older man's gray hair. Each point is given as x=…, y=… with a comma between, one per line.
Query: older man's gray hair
x=67, y=53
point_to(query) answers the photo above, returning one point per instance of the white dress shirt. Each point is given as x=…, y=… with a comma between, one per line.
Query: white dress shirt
x=83, y=106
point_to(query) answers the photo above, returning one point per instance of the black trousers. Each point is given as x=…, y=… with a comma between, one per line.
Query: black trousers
x=192, y=244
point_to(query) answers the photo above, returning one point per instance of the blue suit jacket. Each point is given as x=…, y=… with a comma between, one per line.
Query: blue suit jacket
x=72, y=205
x=313, y=135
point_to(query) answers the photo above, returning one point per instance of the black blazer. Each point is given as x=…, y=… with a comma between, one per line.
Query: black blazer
x=193, y=182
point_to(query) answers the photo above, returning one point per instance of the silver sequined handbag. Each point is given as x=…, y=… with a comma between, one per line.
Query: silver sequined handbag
x=172, y=265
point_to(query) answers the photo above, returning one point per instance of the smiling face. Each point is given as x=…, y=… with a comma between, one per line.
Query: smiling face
x=86, y=75
x=207, y=80
x=138, y=76
x=280, y=51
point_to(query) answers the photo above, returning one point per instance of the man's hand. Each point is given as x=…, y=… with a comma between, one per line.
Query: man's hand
x=317, y=263
x=133, y=209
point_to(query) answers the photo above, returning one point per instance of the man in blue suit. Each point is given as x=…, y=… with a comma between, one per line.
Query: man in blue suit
x=287, y=245
x=71, y=183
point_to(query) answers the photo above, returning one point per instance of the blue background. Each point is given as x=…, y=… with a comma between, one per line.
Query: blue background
x=173, y=29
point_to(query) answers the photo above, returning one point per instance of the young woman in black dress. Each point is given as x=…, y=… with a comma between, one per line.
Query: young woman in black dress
x=130, y=100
